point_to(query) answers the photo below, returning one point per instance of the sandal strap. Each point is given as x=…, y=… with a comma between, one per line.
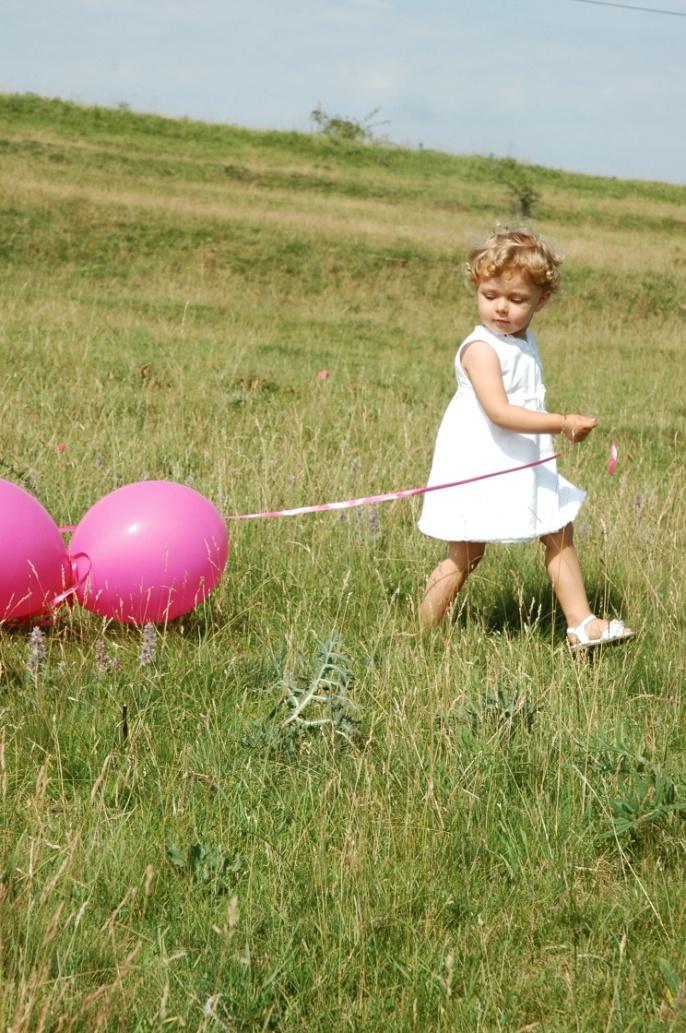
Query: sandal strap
x=580, y=629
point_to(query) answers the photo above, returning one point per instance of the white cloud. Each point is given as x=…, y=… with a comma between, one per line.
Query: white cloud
x=566, y=86
x=356, y=13
x=379, y=83
x=512, y=96
x=383, y=6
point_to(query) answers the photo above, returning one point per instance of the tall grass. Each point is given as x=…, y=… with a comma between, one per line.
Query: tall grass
x=491, y=836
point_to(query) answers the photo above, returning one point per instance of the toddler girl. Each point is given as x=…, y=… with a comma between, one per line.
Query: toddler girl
x=498, y=420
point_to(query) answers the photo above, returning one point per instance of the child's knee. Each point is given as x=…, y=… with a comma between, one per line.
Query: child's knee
x=466, y=555
x=476, y=557
x=558, y=540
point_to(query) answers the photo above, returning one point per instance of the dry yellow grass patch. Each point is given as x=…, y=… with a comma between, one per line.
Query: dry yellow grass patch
x=346, y=217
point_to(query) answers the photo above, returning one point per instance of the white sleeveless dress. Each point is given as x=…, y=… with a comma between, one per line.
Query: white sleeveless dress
x=517, y=506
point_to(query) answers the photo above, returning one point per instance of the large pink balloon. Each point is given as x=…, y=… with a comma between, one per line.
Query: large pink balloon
x=148, y=552
x=34, y=565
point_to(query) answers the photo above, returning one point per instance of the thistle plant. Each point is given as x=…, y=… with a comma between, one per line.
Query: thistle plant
x=322, y=698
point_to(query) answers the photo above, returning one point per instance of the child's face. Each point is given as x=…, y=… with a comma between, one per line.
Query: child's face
x=507, y=302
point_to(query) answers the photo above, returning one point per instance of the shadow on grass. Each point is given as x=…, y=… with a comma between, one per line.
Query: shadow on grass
x=504, y=611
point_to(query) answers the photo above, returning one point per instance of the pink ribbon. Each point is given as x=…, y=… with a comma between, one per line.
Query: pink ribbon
x=370, y=500
x=63, y=596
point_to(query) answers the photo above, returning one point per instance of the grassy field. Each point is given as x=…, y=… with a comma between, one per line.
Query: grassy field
x=481, y=834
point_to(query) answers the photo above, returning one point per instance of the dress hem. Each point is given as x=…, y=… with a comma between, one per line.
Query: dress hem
x=503, y=541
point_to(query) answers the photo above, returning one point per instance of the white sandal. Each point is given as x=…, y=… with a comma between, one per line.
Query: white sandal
x=613, y=633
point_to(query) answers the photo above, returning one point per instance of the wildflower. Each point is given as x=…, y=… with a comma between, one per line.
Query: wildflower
x=210, y=1006
x=101, y=657
x=148, y=646
x=323, y=374
x=612, y=459
x=37, y=651
x=103, y=661
x=368, y=522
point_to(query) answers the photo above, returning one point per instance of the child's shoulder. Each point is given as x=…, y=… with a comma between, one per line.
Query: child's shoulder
x=479, y=336
x=480, y=333
x=500, y=342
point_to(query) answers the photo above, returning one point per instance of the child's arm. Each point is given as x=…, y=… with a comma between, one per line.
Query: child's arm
x=481, y=365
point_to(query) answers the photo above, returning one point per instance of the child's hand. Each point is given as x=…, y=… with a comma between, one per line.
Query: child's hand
x=576, y=428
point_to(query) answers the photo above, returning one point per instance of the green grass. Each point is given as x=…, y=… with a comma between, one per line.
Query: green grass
x=492, y=836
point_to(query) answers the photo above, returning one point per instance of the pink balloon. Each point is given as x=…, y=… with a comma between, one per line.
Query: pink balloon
x=34, y=567
x=148, y=552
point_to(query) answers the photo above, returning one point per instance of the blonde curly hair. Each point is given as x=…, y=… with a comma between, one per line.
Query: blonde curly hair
x=514, y=249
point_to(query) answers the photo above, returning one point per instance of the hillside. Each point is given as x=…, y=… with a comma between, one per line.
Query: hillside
x=479, y=833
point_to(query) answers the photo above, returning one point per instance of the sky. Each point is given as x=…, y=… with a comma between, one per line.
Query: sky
x=581, y=86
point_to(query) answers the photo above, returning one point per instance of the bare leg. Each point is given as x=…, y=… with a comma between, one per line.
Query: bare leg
x=564, y=571
x=447, y=580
